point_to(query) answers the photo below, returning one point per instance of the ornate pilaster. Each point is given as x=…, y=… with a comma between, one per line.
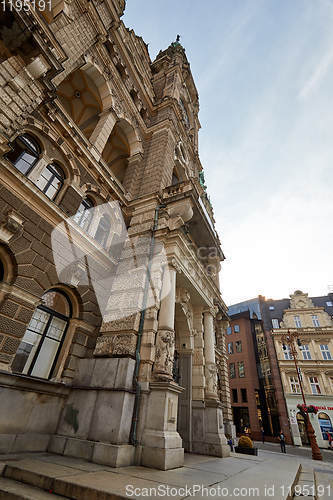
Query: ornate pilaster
x=210, y=364
x=165, y=338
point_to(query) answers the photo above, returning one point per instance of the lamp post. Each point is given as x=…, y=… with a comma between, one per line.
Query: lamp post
x=289, y=339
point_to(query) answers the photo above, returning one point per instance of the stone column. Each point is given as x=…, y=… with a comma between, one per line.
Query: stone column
x=103, y=129
x=210, y=364
x=215, y=442
x=229, y=427
x=165, y=338
x=162, y=444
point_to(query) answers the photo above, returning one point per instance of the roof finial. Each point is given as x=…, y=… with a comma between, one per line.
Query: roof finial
x=178, y=38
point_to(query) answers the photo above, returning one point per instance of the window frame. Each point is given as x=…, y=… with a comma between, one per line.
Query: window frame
x=315, y=320
x=305, y=349
x=238, y=346
x=277, y=324
x=53, y=169
x=315, y=385
x=236, y=329
x=43, y=335
x=241, y=363
x=297, y=321
x=294, y=384
x=103, y=243
x=326, y=351
x=36, y=154
x=232, y=371
x=230, y=348
x=88, y=205
x=287, y=353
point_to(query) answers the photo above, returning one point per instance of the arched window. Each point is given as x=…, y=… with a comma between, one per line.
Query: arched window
x=84, y=214
x=39, y=349
x=25, y=153
x=51, y=180
x=103, y=231
x=325, y=424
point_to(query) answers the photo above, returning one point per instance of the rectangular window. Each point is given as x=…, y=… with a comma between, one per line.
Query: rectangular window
x=271, y=308
x=230, y=348
x=315, y=387
x=275, y=323
x=238, y=346
x=287, y=353
x=329, y=303
x=241, y=370
x=325, y=352
x=236, y=328
x=315, y=320
x=306, y=351
x=298, y=323
x=232, y=370
x=234, y=396
x=294, y=385
x=244, y=395
x=229, y=330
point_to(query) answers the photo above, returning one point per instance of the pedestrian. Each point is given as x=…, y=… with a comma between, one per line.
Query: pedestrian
x=230, y=442
x=330, y=440
x=262, y=435
x=282, y=440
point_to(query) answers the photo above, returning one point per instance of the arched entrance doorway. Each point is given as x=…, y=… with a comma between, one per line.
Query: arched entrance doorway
x=325, y=425
x=302, y=429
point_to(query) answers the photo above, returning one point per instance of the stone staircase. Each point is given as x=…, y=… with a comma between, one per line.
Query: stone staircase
x=314, y=483
x=30, y=479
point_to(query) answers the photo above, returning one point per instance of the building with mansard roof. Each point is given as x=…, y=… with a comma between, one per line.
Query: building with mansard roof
x=112, y=324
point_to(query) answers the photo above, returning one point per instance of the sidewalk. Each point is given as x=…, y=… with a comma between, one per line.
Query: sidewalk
x=300, y=451
x=268, y=475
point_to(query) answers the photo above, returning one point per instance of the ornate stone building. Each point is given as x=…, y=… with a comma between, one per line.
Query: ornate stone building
x=111, y=320
x=312, y=319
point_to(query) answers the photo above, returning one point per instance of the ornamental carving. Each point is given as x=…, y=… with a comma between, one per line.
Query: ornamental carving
x=183, y=298
x=164, y=354
x=211, y=379
x=116, y=345
x=11, y=225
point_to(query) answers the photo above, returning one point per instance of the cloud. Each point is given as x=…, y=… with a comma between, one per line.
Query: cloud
x=317, y=76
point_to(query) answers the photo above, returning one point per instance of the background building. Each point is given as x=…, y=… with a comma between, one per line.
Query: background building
x=110, y=306
x=311, y=318
x=253, y=394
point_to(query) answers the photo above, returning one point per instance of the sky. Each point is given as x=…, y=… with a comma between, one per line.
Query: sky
x=264, y=74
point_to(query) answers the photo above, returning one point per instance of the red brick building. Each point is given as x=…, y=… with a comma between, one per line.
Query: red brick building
x=255, y=383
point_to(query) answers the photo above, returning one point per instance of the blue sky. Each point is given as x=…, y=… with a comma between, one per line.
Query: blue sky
x=264, y=73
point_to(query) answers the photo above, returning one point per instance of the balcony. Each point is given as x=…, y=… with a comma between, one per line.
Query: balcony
x=201, y=225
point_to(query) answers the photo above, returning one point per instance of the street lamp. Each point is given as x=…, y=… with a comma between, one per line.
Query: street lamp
x=288, y=339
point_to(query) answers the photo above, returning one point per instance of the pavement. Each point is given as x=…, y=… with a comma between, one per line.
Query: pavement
x=300, y=451
x=271, y=474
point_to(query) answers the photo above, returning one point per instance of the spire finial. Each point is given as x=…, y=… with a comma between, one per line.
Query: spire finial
x=178, y=38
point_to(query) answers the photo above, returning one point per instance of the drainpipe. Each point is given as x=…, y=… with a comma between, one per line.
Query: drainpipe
x=135, y=418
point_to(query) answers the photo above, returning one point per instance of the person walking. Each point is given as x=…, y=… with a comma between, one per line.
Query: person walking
x=282, y=440
x=330, y=440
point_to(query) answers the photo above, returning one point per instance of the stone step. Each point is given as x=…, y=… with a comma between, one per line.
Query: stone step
x=62, y=481
x=14, y=490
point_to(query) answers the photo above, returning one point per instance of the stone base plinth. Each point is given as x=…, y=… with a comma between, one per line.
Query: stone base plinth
x=208, y=429
x=162, y=445
x=99, y=453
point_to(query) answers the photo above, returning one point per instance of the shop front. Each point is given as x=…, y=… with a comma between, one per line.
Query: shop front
x=322, y=421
